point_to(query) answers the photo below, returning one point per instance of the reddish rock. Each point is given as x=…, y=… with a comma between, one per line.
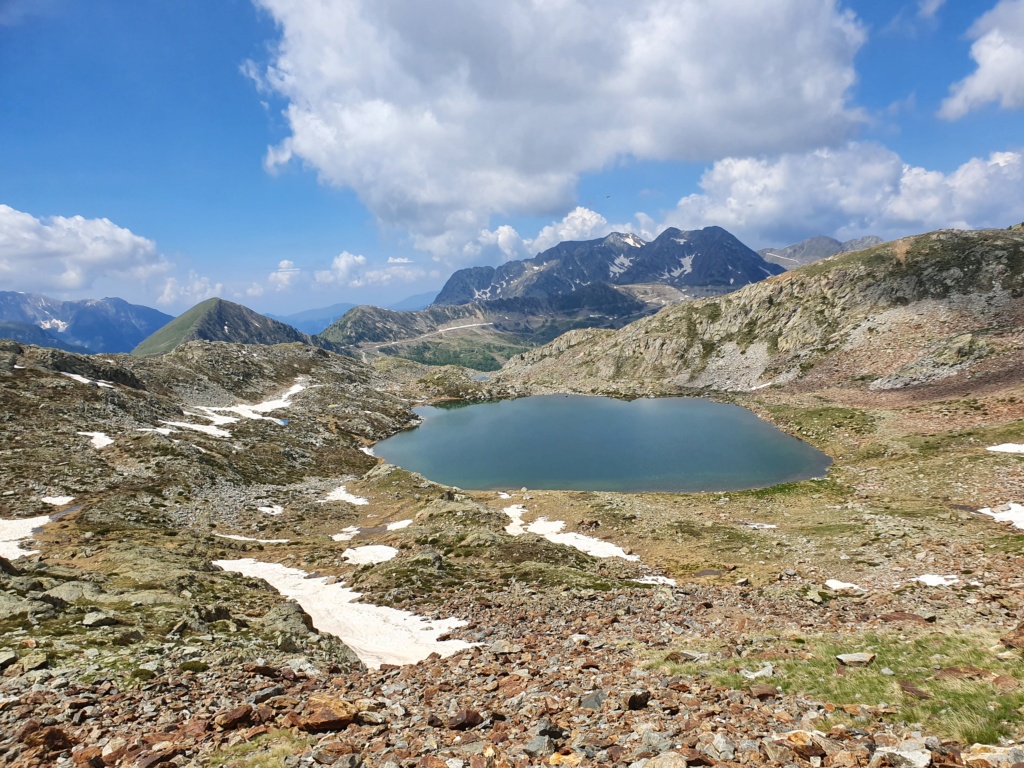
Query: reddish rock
x=464, y=720
x=90, y=757
x=326, y=713
x=763, y=692
x=236, y=717
x=1015, y=639
x=912, y=690
x=49, y=739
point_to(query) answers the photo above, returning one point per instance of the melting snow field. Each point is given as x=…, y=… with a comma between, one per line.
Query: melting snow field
x=377, y=634
x=217, y=418
x=552, y=531
x=99, y=439
x=1007, y=513
x=340, y=494
x=13, y=531
x=1007, y=448
x=369, y=555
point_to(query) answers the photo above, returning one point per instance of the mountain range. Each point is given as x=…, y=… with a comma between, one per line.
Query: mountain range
x=701, y=262
x=92, y=325
x=603, y=283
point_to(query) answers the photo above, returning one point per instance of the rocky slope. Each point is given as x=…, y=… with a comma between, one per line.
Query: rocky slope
x=219, y=320
x=97, y=325
x=907, y=312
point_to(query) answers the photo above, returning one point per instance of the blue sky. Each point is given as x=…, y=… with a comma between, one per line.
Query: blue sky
x=290, y=154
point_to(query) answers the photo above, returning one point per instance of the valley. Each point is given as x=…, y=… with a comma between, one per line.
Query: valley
x=709, y=635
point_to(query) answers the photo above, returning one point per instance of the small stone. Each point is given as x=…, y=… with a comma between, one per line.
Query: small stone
x=464, y=720
x=723, y=747
x=98, y=619
x=763, y=692
x=1006, y=682
x=539, y=746
x=593, y=700
x=667, y=760
x=898, y=758
x=912, y=690
x=638, y=700
x=7, y=658
x=266, y=694
x=861, y=659
x=235, y=717
x=34, y=661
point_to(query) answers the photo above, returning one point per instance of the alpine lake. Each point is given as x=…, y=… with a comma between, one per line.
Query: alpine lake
x=572, y=442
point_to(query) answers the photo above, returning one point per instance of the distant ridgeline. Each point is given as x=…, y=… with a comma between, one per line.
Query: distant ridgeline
x=91, y=325
x=484, y=315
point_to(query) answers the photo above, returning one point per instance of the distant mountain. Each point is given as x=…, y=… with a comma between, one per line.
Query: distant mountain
x=814, y=248
x=33, y=334
x=312, y=321
x=704, y=261
x=413, y=303
x=96, y=325
x=219, y=320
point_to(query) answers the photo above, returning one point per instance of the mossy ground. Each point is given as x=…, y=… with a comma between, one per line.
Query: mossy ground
x=944, y=680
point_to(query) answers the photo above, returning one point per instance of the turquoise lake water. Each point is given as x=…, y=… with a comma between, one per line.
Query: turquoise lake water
x=559, y=442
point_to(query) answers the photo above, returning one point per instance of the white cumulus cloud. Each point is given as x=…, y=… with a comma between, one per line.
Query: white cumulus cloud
x=998, y=50
x=191, y=290
x=284, y=277
x=343, y=267
x=71, y=253
x=858, y=189
x=440, y=115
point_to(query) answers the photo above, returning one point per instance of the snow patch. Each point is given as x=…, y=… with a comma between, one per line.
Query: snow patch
x=1007, y=448
x=761, y=526
x=369, y=555
x=235, y=537
x=399, y=525
x=843, y=586
x=273, y=509
x=347, y=534
x=378, y=635
x=1006, y=513
x=933, y=580
x=340, y=494
x=367, y=450
x=208, y=429
x=84, y=380
x=552, y=531
x=12, y=532
x=99, y=439
x=620, y=265
x=57, y=501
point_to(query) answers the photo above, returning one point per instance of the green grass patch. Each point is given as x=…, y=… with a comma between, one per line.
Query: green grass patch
x=267, y=751
x=943, y=681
